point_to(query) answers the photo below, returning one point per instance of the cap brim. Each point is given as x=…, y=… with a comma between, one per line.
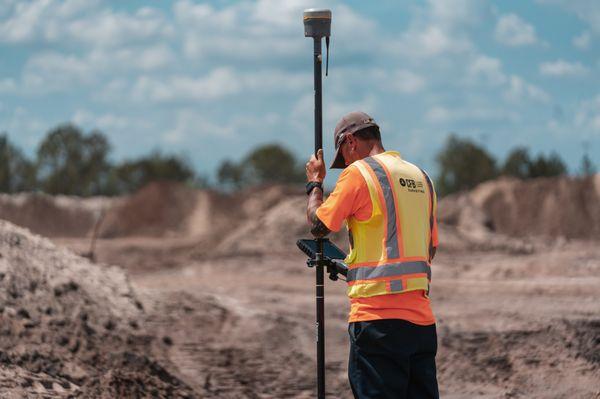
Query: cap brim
x=338, y=161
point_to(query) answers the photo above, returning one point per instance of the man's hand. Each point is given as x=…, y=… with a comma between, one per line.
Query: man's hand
x=315, y=171
x=315, y=168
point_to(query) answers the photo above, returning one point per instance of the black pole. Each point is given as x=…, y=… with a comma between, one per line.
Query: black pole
x=320, y=281
x=318, y=96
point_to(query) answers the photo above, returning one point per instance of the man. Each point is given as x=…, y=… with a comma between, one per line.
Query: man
x=388, y=206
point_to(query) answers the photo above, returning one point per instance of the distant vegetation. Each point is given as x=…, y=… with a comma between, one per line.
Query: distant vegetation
x=463, y=164
x=270, y=163
x=69, y=161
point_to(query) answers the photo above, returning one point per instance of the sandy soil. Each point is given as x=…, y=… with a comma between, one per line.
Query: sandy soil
x=524, y=324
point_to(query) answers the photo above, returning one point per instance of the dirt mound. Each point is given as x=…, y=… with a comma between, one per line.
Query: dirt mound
x=158, y=209
x=53, y=216
x=555, y=207
x=565, y=353
x=276, y=219
x=170, y=209
x=254, y=220
x=71, y=327
x=272, y=231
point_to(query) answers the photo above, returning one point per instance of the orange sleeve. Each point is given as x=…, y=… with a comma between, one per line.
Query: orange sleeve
x=434, y=233
x=350, y=197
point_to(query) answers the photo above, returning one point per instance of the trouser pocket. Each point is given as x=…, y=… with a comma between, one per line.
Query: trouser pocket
x=355, y=330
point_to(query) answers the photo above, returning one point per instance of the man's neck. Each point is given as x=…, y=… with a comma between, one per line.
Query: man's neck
x=376, y=149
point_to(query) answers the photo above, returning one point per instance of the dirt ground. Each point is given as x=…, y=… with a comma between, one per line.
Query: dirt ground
x=511, y=323
x=216, y=302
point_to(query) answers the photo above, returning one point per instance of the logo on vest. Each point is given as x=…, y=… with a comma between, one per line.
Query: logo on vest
x=412, y=186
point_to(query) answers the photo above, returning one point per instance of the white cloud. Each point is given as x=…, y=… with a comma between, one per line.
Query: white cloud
x=405, y=81
x=486, y=69
x=190, y=124
x=21, y=123
x=49, y=72
x=562, y=68
x=587, y=117
x=455, y=13
x=438, y=114
x=430, y=41
x=586, y=10
x=7, y=85
x=107, y=122
x=108, y=28
x=220, y=82
x=239, y=31
x=401, y=80
x=520, y=90
x=440, y=27
x=441, y=115
x=78, y=21
x=582, y=41
x=513, y=31
x=23, y=24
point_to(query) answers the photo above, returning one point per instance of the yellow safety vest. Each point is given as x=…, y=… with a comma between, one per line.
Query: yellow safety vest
x=391, y=251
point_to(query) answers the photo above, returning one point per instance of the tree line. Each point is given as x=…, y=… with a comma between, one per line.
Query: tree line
x=463, y=164
x=69, y=161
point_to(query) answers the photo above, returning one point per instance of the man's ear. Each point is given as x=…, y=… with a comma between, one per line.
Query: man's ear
x=351, y=141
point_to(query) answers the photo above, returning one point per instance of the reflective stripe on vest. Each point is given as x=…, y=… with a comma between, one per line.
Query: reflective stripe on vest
x=388, y=270
x=391, y=241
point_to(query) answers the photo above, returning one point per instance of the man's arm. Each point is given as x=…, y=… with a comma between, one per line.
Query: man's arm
x=315, y=171
x=315, y=199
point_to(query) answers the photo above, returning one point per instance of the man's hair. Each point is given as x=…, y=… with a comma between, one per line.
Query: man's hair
x=368, y=133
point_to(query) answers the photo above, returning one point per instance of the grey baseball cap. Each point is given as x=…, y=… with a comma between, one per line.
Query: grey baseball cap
x=350, y=123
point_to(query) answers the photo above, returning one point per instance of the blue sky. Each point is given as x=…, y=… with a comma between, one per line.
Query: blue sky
x=211, y=80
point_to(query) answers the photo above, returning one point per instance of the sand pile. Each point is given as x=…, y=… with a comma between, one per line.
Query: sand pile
x=273, y=216
x=53, y=216
x=170, y=209
x=272, y=231
x=71, y=327
x=158, y=209
x=555, y=207
x=253, y=220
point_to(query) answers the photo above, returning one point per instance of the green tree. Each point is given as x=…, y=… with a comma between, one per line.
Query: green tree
x=517, y=163
x=543, y=166
x=270, y=163
x=17, y=173
x=230, y=175
x=463, y=164
x=129, y=176
x=70, y=162
x=587, y=167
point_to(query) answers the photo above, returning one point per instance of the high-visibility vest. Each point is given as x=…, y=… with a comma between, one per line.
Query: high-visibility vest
x=391, y=252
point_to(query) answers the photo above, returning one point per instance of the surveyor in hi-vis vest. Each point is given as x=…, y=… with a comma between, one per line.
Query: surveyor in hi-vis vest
x=389, y=207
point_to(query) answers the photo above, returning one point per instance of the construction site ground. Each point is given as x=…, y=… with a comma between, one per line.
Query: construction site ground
x=509, y=325
x=217, y=302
